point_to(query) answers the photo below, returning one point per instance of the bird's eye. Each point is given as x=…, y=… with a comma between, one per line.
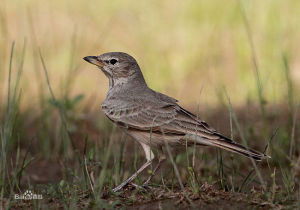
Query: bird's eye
x=113, y=61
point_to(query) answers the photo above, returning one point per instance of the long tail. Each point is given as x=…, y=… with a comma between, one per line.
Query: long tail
x=229, y=145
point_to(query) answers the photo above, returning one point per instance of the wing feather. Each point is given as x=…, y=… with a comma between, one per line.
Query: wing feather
x=166, y=118
x=162, y=114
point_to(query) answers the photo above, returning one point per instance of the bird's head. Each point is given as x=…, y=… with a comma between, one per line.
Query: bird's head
x=115, y=65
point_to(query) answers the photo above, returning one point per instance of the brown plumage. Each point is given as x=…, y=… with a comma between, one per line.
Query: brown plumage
x=152, y=118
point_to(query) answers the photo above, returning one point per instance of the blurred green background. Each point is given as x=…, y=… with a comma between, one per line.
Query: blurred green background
x=190, y=50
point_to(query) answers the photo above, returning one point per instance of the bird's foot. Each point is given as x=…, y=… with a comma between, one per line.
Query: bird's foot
x=120, y=187
x=141, y=187
x=146, y=183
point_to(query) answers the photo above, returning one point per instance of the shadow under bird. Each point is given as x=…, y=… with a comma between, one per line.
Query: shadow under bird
x=153, y=119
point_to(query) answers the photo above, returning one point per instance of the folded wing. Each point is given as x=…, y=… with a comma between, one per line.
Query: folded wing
x=170, y=118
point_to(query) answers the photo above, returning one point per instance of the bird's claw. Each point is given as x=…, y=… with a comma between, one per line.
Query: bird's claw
x=145, y=186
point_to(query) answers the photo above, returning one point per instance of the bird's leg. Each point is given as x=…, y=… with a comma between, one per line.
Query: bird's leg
x=149, y=157
x=161, y=159
x=132, y=177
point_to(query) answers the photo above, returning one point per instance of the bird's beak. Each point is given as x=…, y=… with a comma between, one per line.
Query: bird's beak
x=94, y=60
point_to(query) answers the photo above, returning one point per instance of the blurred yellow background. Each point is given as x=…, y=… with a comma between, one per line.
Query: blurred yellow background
x=191, y=50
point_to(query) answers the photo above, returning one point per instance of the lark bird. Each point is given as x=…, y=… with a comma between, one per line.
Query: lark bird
x=153, y=119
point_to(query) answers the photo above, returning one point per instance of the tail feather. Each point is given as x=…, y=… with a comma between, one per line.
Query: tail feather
x=240, y=149
x=229, y=145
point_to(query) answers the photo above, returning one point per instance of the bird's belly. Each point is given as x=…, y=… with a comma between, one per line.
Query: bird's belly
x=154, y=139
